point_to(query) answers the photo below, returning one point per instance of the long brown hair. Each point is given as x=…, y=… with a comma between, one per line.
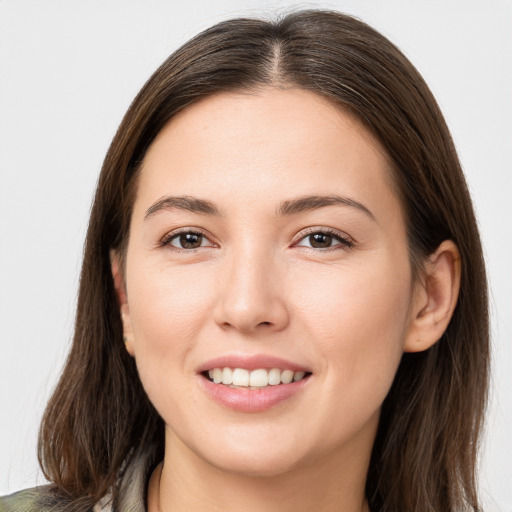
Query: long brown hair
x=424, y=457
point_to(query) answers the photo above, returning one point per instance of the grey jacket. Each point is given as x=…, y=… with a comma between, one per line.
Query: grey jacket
x=132, y=495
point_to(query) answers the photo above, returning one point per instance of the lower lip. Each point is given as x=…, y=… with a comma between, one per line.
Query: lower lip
x=252, y=400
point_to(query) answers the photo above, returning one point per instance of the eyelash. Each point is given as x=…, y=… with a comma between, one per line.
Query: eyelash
x=167, y=239
x=345, y=242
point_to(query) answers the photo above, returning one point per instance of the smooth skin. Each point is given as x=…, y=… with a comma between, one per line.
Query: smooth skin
x=342, y=303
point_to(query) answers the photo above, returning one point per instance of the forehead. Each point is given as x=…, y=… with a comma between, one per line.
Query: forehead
x=264, y=146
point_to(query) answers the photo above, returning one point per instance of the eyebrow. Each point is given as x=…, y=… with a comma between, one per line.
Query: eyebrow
x=289, y=207
x=187, y=203
x=306, y=203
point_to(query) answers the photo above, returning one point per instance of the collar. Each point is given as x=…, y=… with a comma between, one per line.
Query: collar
x=134, y=478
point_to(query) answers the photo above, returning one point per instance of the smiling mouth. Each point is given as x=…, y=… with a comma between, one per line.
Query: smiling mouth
x=255, y=379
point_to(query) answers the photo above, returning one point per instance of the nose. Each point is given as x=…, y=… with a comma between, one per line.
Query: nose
x=251, y=298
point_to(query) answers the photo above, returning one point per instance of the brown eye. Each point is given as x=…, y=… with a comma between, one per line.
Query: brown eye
x=320, y=240
x=325, y=240
x=188, y=240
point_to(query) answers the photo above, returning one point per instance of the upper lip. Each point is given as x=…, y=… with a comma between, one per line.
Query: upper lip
x=251, y=362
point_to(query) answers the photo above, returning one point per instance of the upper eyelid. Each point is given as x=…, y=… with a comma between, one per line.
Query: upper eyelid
x=165, y=240
x=344, y=237
x=322, y=229
x=173, y=234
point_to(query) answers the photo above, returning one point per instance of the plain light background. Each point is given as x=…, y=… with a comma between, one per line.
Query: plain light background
x=68, y=71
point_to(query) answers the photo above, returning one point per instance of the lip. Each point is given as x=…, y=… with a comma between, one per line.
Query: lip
x=251, y=362
x=251, y=400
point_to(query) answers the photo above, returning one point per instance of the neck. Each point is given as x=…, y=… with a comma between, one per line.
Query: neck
x=186, y=483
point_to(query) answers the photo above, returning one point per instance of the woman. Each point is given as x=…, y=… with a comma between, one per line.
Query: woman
x=283, y=298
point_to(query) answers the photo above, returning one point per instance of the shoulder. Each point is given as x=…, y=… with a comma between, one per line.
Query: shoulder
x=131, y=498
x=46, y=499
x=36, y=499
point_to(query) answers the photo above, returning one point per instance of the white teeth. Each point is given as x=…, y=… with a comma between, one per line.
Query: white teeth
x=227, y=376
x=274, y=377
x=240, y=377
x=286, y=376
x=259, y=378
x=217, y=375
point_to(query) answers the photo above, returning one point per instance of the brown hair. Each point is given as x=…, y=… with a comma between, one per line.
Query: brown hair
x=424, y=457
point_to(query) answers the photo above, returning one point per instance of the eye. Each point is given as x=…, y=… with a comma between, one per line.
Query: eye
x=186, y=240
x=324, y=239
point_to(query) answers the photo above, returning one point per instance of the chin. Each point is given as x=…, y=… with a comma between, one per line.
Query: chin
x=261, y=464
x=250, y=455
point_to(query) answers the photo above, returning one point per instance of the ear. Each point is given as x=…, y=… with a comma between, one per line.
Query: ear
x=124, y=310
x=435, y=298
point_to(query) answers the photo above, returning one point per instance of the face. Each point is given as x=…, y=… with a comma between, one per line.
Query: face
x=267, y=244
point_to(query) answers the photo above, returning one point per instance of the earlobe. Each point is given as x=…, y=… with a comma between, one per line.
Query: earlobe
x=435, y=298
x=124, y=309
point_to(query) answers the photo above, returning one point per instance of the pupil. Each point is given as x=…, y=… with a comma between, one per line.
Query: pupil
x=320, y=240
x=190, y=240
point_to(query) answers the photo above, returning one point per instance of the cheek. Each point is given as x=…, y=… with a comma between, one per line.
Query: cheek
x=359, y=319
x=168, y=305
x=367, y=303
x=168, y=309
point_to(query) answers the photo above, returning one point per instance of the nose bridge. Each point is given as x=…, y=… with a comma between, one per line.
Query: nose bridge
x=250, y=297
